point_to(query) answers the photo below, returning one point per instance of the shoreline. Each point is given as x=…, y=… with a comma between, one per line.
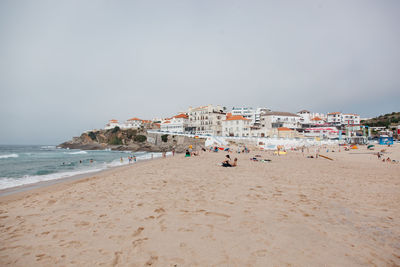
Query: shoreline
x=64, y=180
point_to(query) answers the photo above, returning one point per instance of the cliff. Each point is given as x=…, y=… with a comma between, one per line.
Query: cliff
x=132, y=140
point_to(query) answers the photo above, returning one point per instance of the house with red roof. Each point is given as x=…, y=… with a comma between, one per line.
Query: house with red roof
x=236, y=125
x=176, y=124
x=112, y=124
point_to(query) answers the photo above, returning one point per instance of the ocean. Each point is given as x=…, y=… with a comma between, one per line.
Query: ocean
x=21, y=165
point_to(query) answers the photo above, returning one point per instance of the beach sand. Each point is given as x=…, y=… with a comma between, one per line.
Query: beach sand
x=293, y=211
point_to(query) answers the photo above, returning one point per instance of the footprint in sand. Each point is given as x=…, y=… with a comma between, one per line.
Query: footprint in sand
x=138, y=231
x=152, y=260
x=210, y=213
x=260, y=253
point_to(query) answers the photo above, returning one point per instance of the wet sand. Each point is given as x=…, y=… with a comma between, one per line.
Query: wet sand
x=292, y=211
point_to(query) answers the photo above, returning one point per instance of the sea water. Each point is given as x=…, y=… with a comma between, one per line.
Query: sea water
x=20, y=165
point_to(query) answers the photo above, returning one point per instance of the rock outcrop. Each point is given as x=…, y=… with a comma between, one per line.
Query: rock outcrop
x=132, y=140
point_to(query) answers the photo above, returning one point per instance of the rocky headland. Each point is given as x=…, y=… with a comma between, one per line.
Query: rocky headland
x=132, y=140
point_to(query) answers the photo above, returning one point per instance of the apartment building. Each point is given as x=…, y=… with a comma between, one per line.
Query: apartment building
x=206, y=120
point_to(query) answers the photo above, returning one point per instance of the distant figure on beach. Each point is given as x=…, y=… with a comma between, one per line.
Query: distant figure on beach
x=129, y=159
x=164, y=154
x=187, y=153
x=388, y=160
x=173, y=152
x=122, y=160
x=134, y=158
x=91, y=161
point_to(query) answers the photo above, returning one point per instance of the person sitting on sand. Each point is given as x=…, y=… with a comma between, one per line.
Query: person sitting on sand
x=388, y=160
x=187, y=154
x=227, y=161
x=234, y=164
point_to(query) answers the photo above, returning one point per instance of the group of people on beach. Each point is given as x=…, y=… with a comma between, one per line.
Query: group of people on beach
x=130, y=159
x=388, y=159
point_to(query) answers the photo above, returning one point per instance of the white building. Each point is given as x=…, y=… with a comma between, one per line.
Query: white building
x=308, y=118
x=334, y=118
x=351, y=119
x=346, y=119
x=133, y=123
x=254, y=115
x=305, y=116
x=206, y=120
x=112, y=124
x=236, y=125
x=176, y=124
x=317, y=121
x=276, y=119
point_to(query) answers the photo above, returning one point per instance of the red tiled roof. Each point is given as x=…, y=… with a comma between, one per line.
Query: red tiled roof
x=134, y=119
x=284, y=129
x=236, y=118
x=181, y=116
x=334, y=113
x=316, y=119
x=114, y=121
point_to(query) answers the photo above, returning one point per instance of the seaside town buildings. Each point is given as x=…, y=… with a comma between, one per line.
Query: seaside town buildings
x=214, y=120
x=176, y=124
x=250, y=113
x=236, y=125
x=206, y=120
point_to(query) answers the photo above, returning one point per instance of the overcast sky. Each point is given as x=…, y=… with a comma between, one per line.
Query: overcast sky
x=70, y=66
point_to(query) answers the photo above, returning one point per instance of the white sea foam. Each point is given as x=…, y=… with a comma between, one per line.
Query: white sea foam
x=8, y=156
x=47, y=147
x=76, y=153
x=6, y=182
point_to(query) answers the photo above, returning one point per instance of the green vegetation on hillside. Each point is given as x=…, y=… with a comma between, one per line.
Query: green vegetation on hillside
x=386, y=120
x=115, y=141
x=140, y=138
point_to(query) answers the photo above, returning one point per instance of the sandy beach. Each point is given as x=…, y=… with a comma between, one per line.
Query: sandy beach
x=292, y=211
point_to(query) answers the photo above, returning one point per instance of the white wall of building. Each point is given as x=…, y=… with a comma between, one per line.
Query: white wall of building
x=236, y=126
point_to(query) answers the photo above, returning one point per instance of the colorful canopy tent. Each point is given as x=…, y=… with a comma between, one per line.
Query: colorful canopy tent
x=385, y=140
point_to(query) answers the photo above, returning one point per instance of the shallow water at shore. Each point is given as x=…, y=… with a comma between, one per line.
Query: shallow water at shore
x=21, y=165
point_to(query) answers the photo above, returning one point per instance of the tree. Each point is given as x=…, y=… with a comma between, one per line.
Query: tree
x=164, y=138
x=140, y=138
x=115, y=130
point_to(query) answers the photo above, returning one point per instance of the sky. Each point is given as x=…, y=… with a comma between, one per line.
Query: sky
x=70, y=66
